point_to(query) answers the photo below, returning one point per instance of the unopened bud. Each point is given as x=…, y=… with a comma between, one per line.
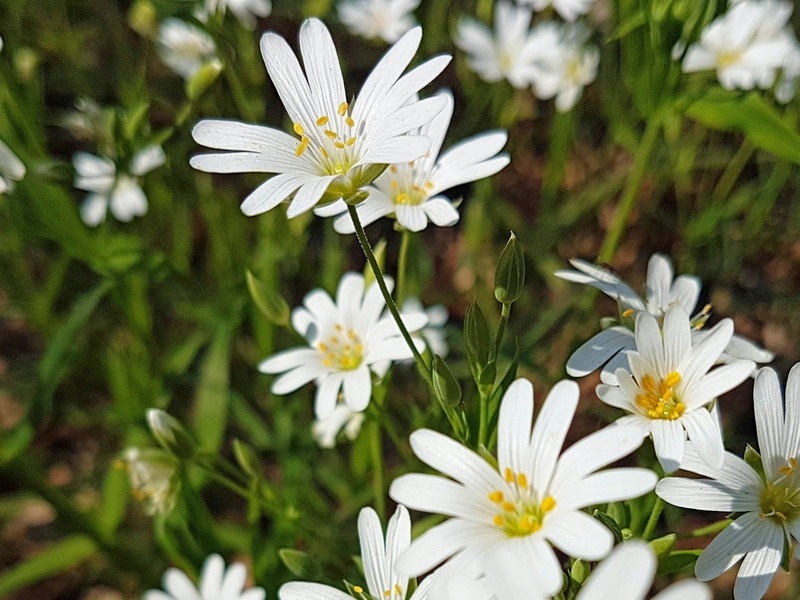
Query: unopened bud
x=509, y=278
x=445, y=386
x=205, y=76
x=170, y=434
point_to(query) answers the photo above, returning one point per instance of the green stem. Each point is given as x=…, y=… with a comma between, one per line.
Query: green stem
x=732, y=172
x=501, y=331
x=376, y=457
x=652, y=521
x=631, y=189
x=561, y=134
x=709, y=529
x=422, y=366
x=402, y=266
x=483, y=419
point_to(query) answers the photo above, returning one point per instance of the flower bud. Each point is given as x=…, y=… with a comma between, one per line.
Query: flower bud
x=509, y=278
x=170, y=434
x=205, y=76
x=445, y=386
x=152, y=478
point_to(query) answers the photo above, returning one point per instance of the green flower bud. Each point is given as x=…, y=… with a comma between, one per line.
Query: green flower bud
x=170, y=434
x=203, y=79
x=272, y=305
x=445, y=386
x=509, y=278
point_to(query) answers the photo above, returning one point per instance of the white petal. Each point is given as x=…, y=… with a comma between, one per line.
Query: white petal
x=412, y=218
x=453, y=459
x=550, y=430
x=704, y=494
x=514, y=426
x=301, y=590
x=357, y=388
x=659, y=282
x=768, y=405
x=93, y=209
x=272, y=192
x=669, y=441
x=441, y=212
x=577, y=534
x=792, y=434
x=308, y=195
x=127, y=200
x=625, y=575
x=599, y=349
x=147, y=159
x=704, y=433
x=211, y=576
x=327, y=395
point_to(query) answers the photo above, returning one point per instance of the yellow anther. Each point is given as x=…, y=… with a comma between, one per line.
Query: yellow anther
x=342, y=109
x=302, y=146
x=323, y=346
x=522, y=481
x=350, y=141
x=398, y=590
x=331, y=134
x=496, y=496
x=401, y=198
x=649, y=384
x=508, y=475
x=358, y=589
x=324, y=152
x=338, y=327
x=507, y=506
x=338, y=144
x=790, y=467
x=392, y=169
x=548, y=504
x=386, y=593
x=428, y=185
x=350, y=122
x=298, y=129
x=498, y=520
x=673, y=379
x=323, y=120
x=393, y=184
x=628, y=312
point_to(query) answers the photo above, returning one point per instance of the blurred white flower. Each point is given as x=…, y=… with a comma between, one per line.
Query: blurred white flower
x=110, y=190
x=564, y=64
x=342, y=418
x=627, y=574
x=347, y=341
x=505, y=518
x=568, y=9
x=246, y=11
x=216, y=583
x=767, y=501
x=671, y=387
x=184, y=48
x=151, y=472
x=609, y=346
x=412, y=191
x=433, y=333
x=11, y=168
x=746, y=45
x=785, y=90
x=508, y=52
x=378, y=556
x=340, y=148
x=384, y=19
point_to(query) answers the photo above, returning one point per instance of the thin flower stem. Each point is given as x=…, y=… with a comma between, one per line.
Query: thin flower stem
x=501, y=331
x=631, y=190
x=652, y=521
x=483, y=419
x=562, y=133
x=422, y=366
x=376, y=457
x=732, y=172
x=402, y=266
x=709, y=529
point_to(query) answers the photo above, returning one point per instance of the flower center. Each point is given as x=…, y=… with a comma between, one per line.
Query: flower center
x=574, y=71
x=520, y=514
x=780, y=500
x=728, y=58
x=330, y=142
x=658, y=400
x=343, y=350
x=404, y=185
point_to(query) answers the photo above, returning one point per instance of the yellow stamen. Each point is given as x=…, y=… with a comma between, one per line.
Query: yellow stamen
x=338, y=144
x=301, y=147
x=508, y=475
x=358, y=589
x=331, y=134
x=496, y=496
x=323, y=120
x=522, y=481
x=627, y=313
x=342, y=109
x=548, y=504
x=350, y=122
x=498, y=520
x=673, y=379
x=350, y=141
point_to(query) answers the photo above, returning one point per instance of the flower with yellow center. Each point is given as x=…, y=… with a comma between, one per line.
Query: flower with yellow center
x=347, y=341
x=767, y=499
x=506, y=519
x=412, y=191
x=338, y=146
x=378, y=556
x=217, y=582
x=671, y=388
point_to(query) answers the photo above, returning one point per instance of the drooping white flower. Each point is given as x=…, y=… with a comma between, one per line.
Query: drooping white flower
x=662, y=290
x=151, y=473
x=246, y=11
x=746, y=45
x=627, y=574
x=412, y=191
x=11, y=168
x=347, y=342
x=508, y=52
x=326, y=430
x=506, y=518
x=118, y=192
x=379, y=558
x=340, y=147
x=373, y=19
x=565, y=64
x=671, y=387
x=216, y=583
x=184, y=47
x=568, y=9
x=768, y=503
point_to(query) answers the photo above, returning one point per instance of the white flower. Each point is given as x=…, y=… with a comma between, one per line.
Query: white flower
x=184, y=48
x=152, y=478
x=746, y=45
x=216, y=583
x=507, y=518
x=568, y=9
x=347, y=340
x=379, y=558
x=564, y=63
x=768, y=503
x=785, y=89
x=341, y=147
x=118, y=192
x=627, y=574
x=245, y=11
x=384, y=19
x=508, y=53
x=671, y=386
x=661, y=292
x=433, y=333
x=11, y=168
x=412, y=191
x=342, y=418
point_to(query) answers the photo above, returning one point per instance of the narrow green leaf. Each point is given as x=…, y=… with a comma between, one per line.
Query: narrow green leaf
x=58, y=558
x=212, y=398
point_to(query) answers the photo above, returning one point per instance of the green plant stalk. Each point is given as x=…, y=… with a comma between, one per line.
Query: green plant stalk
x=486, y=391
x=376, y=457
x=732, y=172
x=631, y=189
x=652, y=521
x=501, y=331
x=422, y=366
x=561, y=135
x=402, y=266
x=25, y=473
x=709, y=529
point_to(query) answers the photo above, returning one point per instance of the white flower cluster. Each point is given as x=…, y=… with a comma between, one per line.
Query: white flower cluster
x=553, y=58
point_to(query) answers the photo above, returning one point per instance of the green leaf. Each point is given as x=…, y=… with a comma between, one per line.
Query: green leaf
x=663, y=546
x=611, y=524
x=446, y=387
x=213, y=394
x=269, y=302
x=116, y=492
x=299, y=563
x=751, y=115
x=677, y=561
x=58, y=558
